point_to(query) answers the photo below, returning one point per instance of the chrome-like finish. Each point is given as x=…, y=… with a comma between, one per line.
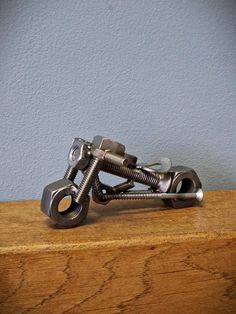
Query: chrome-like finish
x=177, y=186
x=162, y=165
x=143, y=195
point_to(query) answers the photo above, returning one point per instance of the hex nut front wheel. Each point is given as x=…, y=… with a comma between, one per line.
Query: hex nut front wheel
x=53, y=194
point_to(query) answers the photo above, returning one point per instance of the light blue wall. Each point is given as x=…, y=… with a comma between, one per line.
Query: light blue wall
x=158, y=76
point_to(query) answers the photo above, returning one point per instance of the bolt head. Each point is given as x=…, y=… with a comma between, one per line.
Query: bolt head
x=106, y=144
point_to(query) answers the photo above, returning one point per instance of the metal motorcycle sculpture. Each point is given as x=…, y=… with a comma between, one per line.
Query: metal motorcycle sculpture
x=177, y=186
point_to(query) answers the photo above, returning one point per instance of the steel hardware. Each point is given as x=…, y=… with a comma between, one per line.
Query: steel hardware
x=177, y=186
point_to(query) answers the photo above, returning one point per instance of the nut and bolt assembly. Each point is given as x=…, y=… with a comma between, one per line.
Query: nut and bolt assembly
x=177, y=186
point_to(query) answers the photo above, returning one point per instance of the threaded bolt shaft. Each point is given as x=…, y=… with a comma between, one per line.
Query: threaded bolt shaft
x=88, y=180
x=138, y=176
x=148, y=196
x=97, y=186
x=70, y=173
x=131, y=196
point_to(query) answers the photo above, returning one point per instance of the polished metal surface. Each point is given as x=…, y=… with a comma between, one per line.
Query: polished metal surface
x=177, y=186
x=144, y=195
x=52, y=196
x=161, y=165
x=87, y=181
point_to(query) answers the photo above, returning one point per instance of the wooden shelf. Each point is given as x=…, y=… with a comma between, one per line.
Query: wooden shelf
x=130, y=257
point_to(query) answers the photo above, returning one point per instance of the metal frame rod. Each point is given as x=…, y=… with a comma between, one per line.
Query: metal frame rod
x=148, y=196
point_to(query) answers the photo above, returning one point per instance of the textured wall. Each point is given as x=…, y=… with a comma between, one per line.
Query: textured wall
x=158, y=76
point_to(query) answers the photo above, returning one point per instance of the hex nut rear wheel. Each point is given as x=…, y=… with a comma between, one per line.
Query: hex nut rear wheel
x=185, y=182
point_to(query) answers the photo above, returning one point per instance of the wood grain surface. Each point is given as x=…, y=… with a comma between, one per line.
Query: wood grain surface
x=130, y=257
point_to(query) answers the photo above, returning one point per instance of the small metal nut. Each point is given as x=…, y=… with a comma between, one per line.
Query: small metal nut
x=53, y=194
x=184, y=180
x=78, y=154
x=105, y=143
x=131, y=158
x=64, y=187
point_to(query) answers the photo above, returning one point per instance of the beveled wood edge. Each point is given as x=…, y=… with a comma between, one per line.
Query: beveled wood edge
x=114, y=244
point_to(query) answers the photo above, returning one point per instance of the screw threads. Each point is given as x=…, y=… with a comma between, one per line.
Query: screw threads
x=138, y=176
x=70, y=173
x=87, y=180
x=148, y=196
x=97, y=186
x=131, y=196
